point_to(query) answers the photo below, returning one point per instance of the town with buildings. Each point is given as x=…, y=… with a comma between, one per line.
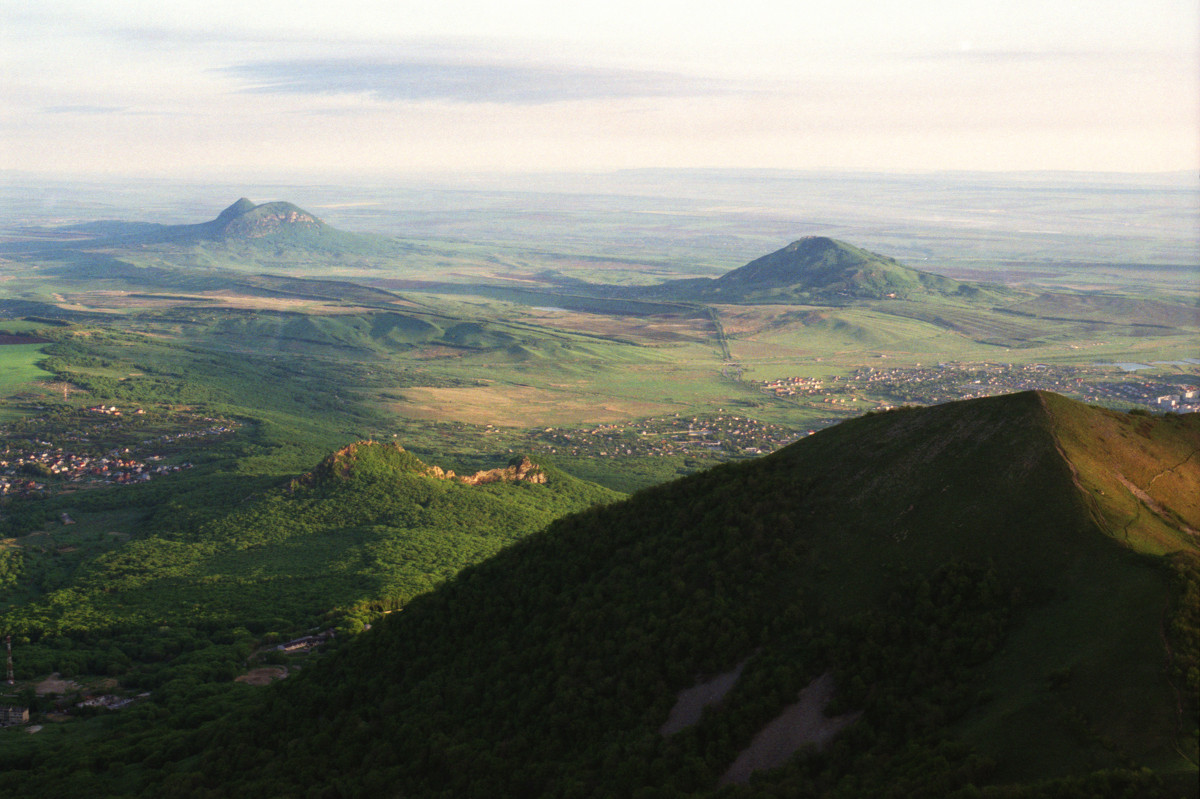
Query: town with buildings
x=113, y=469
x=72, y=454
x=837, y=397
x=883, y=388
x=719, y=434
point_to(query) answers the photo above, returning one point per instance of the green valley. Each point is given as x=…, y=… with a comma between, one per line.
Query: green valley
x=496, y=486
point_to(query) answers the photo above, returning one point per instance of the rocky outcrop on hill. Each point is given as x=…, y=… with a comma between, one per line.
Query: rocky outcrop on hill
x=523, y=470
x=519, y=470
x=264, y=220
x=374, y=458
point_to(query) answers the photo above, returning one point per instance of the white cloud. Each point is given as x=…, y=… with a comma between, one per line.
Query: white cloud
x=463, y=81
x=396, y=86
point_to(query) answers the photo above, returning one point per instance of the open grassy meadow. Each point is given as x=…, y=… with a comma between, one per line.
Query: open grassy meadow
x=19, y=372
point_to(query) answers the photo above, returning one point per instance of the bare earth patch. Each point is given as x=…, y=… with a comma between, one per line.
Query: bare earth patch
x=231, y=299
x=799, y=724
x=111, y=300
x=263, y=676
x=54, y=685
x=690, y=703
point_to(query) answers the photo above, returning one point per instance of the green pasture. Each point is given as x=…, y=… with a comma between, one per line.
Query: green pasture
x=479, y=360
x=22, y=326
x=18, y=367
x=826, y=342
x=845, y=336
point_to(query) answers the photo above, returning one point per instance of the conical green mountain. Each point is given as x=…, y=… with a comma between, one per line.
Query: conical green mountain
x=245, y=220
x=986, y=595
x=820, y=269
x=242, y=206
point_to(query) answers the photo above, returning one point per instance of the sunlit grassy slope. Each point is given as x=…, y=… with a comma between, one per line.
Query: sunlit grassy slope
x=18, y=366
x=1139, y=474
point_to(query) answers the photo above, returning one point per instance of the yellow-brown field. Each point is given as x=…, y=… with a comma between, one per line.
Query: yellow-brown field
x=520, y=406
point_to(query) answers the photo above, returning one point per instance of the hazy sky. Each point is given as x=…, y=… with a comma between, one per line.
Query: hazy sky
x=222, y=89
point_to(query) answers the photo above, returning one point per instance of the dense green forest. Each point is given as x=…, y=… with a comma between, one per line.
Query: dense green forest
x=998, y=642
x=297, y=556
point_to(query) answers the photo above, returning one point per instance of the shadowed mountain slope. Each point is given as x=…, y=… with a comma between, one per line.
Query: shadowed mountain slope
x=969, y=576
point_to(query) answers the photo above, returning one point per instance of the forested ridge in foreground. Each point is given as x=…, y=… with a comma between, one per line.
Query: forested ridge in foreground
x=1001, y=612
x=370, y=536
x=207, y=591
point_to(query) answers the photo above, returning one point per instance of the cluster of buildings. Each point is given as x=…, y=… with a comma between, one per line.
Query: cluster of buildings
x=19, y=487
x=305, y=643
x=795, y=386
x=218, y=428
x=11, y=715
x=110, y=701
x=945, y=382
x=665, y=435
x=1186, y=401
x=111, y=410
x=28, y=466
x=1152, y=394
x=111, y=469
